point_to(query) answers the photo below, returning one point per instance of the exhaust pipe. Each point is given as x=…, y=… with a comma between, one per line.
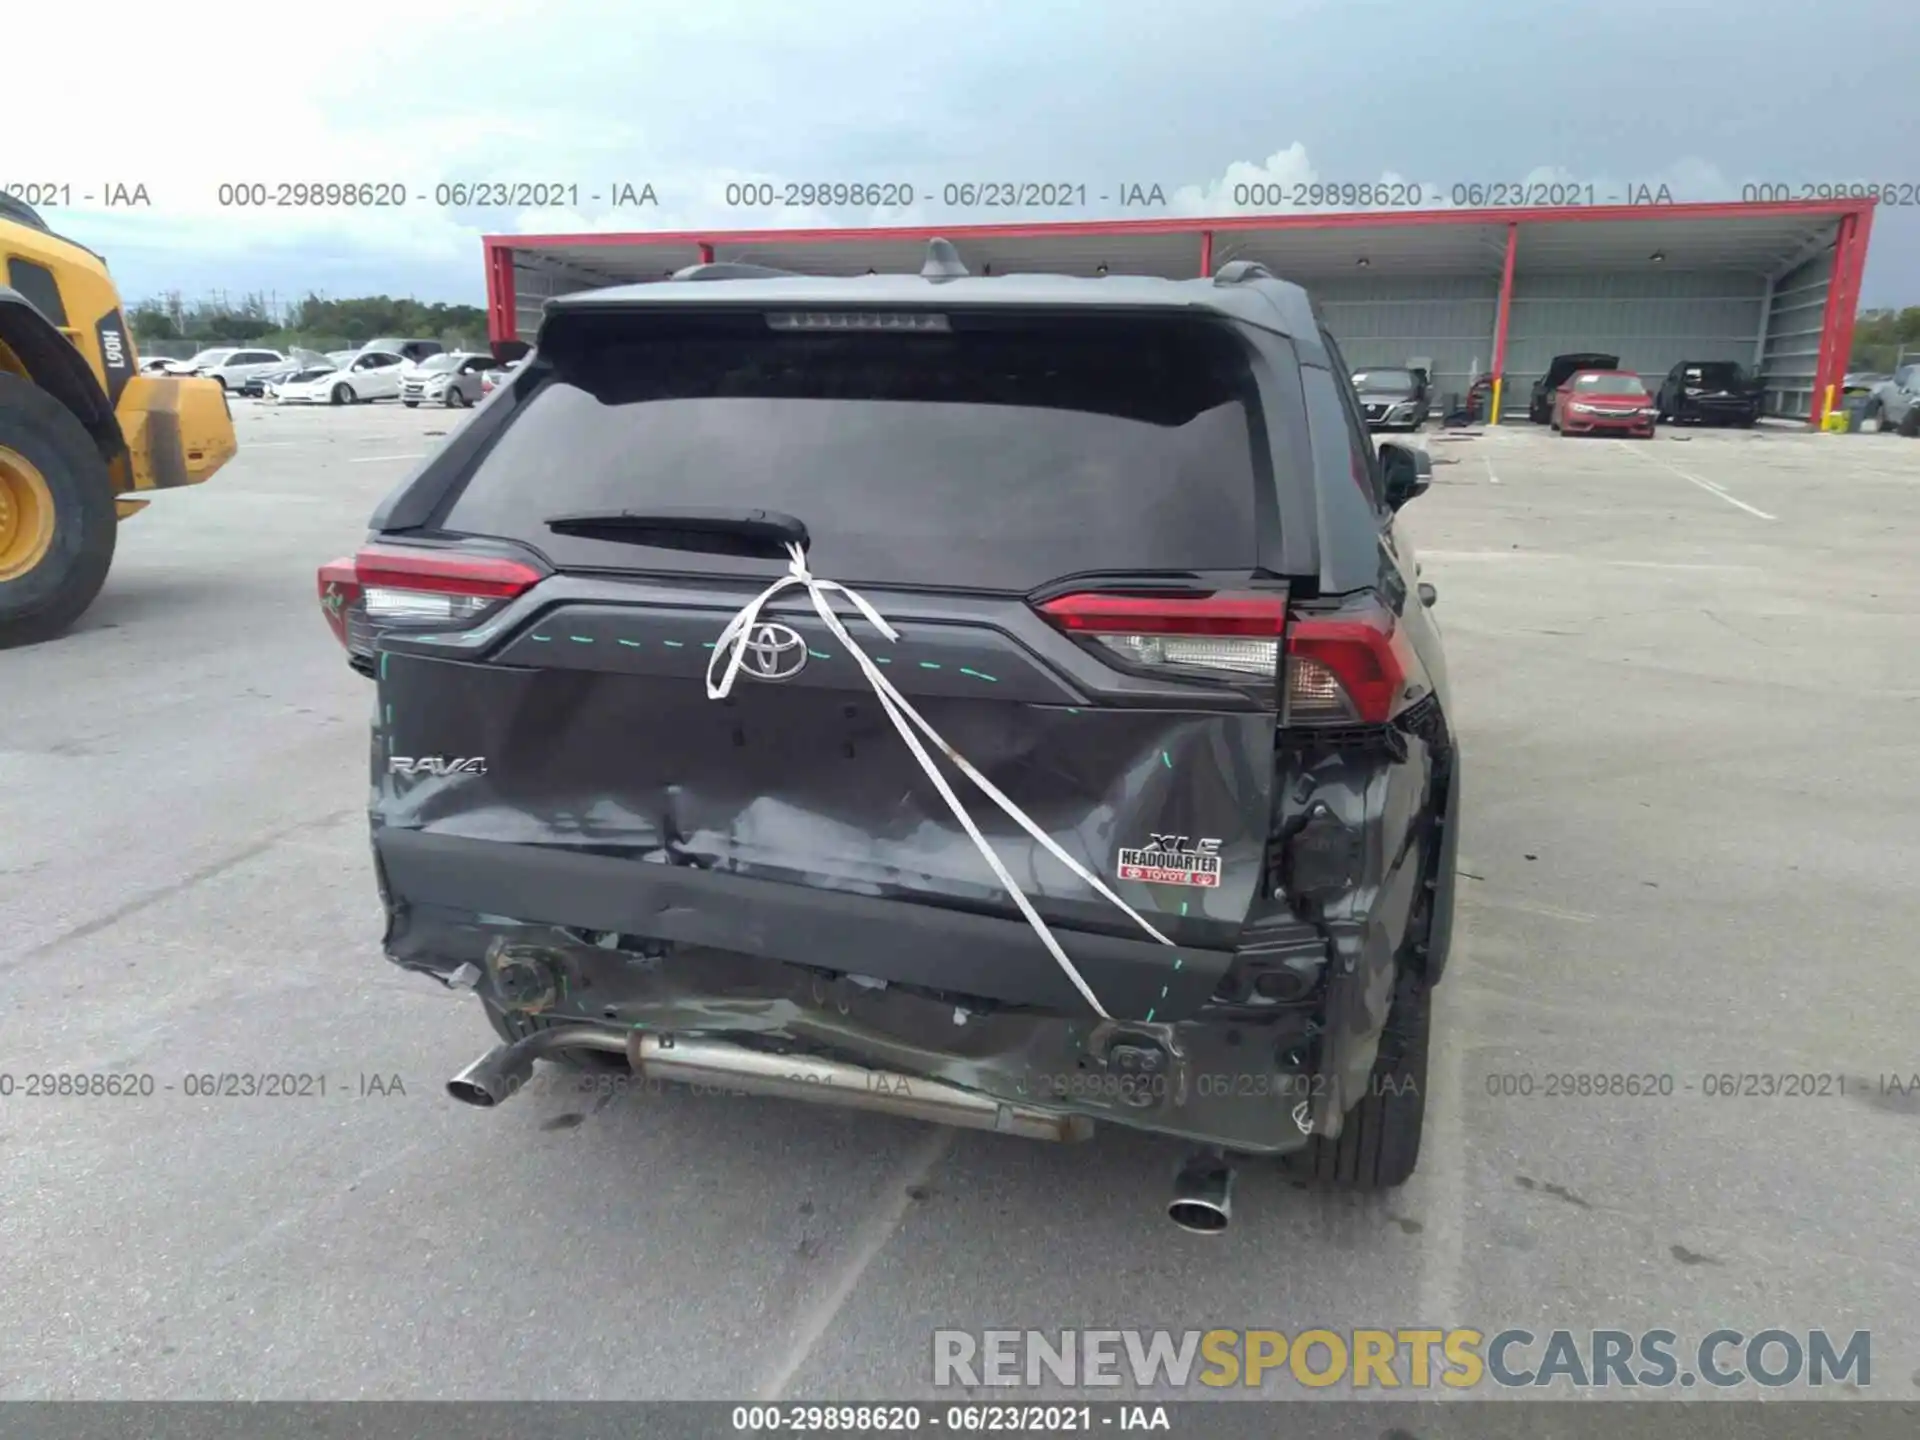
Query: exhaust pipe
x=693, y=1060
x=1202, y=1201
x=499, y=1073
x=721, y=1065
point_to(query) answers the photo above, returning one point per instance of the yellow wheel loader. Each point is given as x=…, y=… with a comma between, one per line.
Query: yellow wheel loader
x=82, y=433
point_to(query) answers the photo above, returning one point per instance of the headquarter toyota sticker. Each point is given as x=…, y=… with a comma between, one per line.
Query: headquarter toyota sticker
x=1173, y=860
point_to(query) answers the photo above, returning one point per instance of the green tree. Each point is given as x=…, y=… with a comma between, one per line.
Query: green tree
x=151, y=322
x=1881, y=336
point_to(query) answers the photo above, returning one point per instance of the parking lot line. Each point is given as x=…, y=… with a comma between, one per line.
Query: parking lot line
x=1706, y=485
x=868, y=1240
x=370, y=459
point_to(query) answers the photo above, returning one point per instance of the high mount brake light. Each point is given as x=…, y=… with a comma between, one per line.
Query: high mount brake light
x=899, y=321
x=388, y=587
x=1234, y=636
x=1349, y=671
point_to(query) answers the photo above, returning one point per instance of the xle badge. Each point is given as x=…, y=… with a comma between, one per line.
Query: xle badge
x=1173, y=860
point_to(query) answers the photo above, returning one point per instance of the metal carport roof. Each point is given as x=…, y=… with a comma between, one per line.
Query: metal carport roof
x=1767, y=239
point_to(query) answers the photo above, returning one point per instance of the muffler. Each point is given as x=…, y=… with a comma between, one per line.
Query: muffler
x=499, y=1073
x=1202, y=1201
x=720, y=1064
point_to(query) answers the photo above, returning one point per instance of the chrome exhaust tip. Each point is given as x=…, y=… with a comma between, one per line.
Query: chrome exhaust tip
x=1202, y=1201
x=494, y=1077
x=498, y=1075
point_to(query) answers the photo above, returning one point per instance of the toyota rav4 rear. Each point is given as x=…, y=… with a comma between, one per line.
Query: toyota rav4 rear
x=1141, y=565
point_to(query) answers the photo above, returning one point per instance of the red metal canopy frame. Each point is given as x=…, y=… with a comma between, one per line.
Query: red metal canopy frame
x=1854, y=219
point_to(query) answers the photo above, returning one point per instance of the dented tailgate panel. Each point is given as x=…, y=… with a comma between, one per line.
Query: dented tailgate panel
x=816, y=788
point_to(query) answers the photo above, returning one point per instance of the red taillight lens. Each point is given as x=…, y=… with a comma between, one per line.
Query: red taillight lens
x=1234, y=636
x=387, y=587
x=433, y=572
x=1349, y=671
x=339, y=593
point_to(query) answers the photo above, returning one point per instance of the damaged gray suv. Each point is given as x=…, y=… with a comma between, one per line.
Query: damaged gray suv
x=1009, y=702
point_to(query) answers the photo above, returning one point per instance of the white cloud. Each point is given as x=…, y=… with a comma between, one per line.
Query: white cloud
x=590, y=93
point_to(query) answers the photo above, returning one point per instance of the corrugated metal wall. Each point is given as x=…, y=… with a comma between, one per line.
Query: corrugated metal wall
x=1652, y=321
x=1388, y=320
x=1794, y=318
x=536, y=280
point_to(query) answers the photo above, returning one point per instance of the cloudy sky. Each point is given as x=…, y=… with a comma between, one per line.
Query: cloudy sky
x=1195, y=96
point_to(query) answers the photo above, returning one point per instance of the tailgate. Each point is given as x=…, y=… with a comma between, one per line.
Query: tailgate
x=593, y=731
x=1016, y=498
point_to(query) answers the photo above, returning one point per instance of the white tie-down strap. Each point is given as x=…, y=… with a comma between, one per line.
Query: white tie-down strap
x=731, y=648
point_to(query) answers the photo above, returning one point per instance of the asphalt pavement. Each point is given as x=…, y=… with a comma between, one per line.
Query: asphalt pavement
x=1686, y=682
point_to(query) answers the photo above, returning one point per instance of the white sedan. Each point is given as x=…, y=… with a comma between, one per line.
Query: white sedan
x=370, y=375
x=272, y=389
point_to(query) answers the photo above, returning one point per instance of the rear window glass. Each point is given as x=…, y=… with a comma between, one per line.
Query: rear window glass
x=1716, y=373
x=999, y=455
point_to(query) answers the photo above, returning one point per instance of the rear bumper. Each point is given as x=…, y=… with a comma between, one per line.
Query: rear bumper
x=1245, y=1086
x=1721, y=411
x=924, y=946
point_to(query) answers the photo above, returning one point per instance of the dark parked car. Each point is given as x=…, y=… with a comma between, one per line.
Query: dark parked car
x=1718, y=390
x=1604, y=402
x=665, y=810
x=1392, y=399
x=1562, y=368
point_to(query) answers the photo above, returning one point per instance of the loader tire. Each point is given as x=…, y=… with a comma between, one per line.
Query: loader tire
x=57, y=519
x=1379, y=1143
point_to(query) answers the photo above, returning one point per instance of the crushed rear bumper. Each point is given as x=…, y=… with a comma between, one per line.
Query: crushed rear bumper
x=1246, y=1087
x=924, y=946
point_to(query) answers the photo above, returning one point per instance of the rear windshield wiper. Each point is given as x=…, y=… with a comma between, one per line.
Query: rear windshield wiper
x=750, y=534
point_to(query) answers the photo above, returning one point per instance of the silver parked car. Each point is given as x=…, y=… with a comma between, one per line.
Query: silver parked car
x=452, y=380
x=237, y=367
x=1896, y=400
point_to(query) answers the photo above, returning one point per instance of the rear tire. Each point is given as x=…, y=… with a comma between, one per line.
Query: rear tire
x=1910, y=422
x=1379, y=1143
x=57, y=519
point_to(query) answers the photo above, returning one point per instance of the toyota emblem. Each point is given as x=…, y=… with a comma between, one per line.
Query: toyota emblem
x=773, y=652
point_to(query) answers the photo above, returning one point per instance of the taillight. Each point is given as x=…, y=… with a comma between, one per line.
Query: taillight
x=1234, y=636
x=1350, y=670
x=339, y=595
x=387, y=587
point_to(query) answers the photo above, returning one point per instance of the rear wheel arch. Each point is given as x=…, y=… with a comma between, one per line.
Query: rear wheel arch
x=33, y=348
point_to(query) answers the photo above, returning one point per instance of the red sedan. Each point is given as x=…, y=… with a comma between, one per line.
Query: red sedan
x=1604, y=402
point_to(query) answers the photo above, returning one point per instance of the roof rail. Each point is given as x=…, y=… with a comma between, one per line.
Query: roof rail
x=1238, y=272
x=943, y=262
x=731, y=270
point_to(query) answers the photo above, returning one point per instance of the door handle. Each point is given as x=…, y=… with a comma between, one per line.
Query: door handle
x=1428, y=594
